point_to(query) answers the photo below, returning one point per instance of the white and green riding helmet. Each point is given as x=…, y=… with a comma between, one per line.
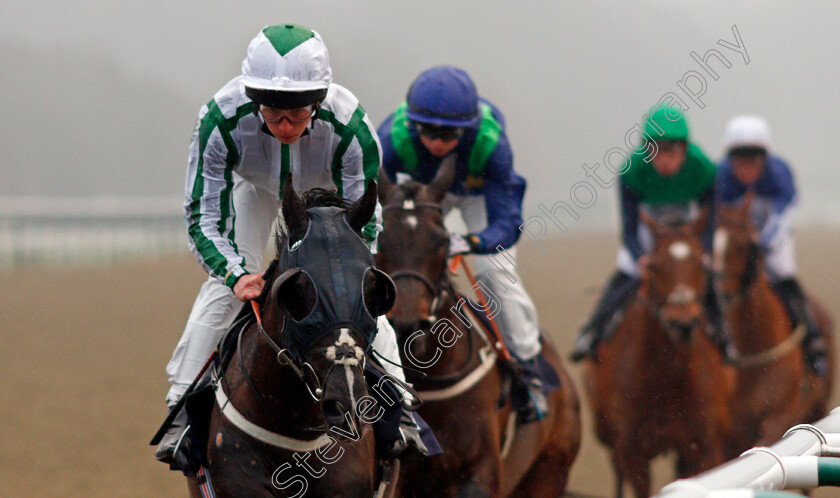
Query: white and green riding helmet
x=287, y=66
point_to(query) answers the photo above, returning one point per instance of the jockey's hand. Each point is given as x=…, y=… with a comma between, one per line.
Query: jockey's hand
x=248, y=287
x=463, y=244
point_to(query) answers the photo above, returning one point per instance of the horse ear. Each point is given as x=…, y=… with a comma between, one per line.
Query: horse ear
x=293, y=293
x=443, y=179
x=294, y=212
x=380, y=293
x=362, y=210
x=385, y=186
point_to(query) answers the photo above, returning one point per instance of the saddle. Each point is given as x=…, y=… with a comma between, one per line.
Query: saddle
x=512, y=370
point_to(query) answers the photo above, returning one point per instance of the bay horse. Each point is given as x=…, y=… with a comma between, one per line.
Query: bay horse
x=775, y=389
x=286, y=420
x=659, y=384
x=461, y=383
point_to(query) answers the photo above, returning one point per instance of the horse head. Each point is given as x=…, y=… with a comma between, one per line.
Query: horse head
x=329, y=293
x=736, y=252
x=414, y=248
x=675, y=278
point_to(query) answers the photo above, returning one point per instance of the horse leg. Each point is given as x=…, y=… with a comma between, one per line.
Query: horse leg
x=548, y=475
x=619, y=478
x=635, y=467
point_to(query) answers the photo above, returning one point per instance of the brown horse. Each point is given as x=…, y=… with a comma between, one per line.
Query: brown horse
x=286, y=419
x=659, y=383
x=461, y=384
x=775, y=389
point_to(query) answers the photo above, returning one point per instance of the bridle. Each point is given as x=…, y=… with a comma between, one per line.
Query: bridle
x=748, y=278
x=440, y=292
x=302, y=369
x=443, y=287
x=680, y=295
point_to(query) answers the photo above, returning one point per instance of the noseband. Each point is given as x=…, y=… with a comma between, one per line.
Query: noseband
x=304, y=371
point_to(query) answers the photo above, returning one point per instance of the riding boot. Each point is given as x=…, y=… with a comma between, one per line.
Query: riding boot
x=409, y=437
x=533, y=405
x=174, y=448
x=619, y=290
x=717, y=328
x=814, y=344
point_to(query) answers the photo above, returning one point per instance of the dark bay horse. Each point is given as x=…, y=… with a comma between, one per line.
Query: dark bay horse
x=286, y=420
x=659, y=383
x=775, y=389
x=462, y=387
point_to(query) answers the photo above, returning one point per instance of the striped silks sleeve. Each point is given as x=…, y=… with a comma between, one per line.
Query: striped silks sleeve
x=361, y=165
x=208, y=207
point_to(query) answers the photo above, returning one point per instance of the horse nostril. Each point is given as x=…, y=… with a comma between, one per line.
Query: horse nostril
x=685, y=330
x=333, y=412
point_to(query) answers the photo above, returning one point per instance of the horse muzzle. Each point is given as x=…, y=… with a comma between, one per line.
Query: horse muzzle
x=681, y=316
x=344, y=383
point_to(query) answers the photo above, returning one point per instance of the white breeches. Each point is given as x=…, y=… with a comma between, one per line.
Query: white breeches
x=780, y=258
x=517, y=316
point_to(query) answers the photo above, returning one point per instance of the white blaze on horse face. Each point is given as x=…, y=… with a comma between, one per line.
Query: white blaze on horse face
x=719, y=243
x=682, y=294
x=411, y=220
x=348, y=372
x=679, y=250
x=344, y=339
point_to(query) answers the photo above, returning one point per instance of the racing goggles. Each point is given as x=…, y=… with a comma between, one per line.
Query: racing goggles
x=445, y=133
x=293, y=116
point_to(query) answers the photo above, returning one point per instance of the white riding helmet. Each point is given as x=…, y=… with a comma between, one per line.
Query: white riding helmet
x=746, y=131
x=287, y=66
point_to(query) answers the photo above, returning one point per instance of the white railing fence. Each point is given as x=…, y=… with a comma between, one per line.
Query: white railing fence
x=805, y=458
x=50, y=231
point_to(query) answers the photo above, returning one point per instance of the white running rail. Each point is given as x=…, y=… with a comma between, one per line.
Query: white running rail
x=805, y=458
x=51, y=231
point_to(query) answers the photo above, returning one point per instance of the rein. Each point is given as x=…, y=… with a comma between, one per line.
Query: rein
x=487, y=355
x=438, y=295
x=499, y=343
x=748, y=279
x=283, y=358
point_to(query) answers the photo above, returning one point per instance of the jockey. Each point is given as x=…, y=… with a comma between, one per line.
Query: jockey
x=283, y=115
x=443, y=115
x=673, y=187
x=750, y=166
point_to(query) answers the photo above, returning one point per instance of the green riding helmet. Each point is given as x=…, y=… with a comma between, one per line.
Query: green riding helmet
x=668, y=119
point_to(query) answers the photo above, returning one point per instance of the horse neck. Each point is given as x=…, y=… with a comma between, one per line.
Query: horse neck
x=454, y=358
x=758, y=309
x=280, y=395
x=658, y=348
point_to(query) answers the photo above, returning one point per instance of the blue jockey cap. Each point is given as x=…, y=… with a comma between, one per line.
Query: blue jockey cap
x=443, y=96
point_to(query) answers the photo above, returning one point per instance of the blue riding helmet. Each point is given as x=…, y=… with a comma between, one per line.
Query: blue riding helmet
x=443, y=96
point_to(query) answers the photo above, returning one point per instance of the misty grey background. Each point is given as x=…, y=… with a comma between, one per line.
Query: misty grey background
x=100, y=97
